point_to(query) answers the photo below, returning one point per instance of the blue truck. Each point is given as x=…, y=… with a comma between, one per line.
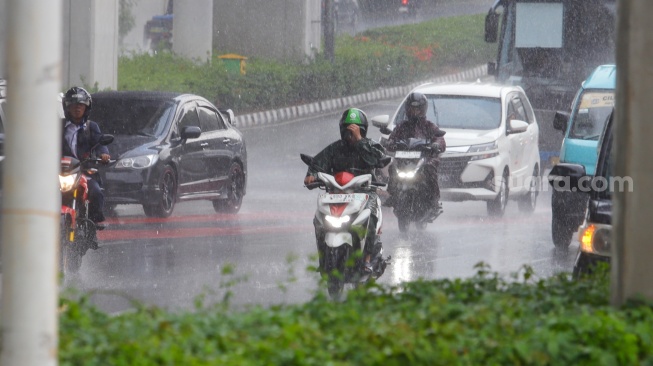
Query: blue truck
x=582, y=128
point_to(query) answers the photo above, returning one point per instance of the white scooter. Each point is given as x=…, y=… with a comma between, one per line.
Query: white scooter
x=342, y=225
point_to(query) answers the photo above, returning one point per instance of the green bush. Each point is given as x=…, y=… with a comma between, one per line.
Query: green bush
x=374, y=59
x=483, y=320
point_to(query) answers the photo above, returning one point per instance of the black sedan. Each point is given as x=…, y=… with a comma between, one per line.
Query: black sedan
x=170, y=147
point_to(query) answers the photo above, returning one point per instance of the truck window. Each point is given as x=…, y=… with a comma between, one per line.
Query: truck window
x=593, y=111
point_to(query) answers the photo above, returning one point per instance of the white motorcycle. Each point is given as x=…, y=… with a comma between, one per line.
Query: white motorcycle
x=342, y=223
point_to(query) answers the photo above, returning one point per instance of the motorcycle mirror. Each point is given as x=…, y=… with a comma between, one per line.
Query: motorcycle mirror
x=307, y=159
x=385, y=161
x=106, y=139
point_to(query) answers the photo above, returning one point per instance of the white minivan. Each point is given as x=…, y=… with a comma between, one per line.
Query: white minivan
x=492, y=143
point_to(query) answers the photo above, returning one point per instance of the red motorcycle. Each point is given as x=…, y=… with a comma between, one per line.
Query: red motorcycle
x=78, y=232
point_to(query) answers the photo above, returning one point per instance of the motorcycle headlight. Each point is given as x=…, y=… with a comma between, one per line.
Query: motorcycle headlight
x=138, y=162
x=337, y=222
x=406, y=175
x=66, y=182
x=489, y=150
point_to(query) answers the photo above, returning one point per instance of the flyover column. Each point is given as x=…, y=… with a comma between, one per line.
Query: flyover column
x=632, y=272
x=192, y=26
x=90, y=43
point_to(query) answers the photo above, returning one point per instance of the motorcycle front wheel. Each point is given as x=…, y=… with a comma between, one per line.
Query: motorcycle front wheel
x=70, y=260
x=335, y=269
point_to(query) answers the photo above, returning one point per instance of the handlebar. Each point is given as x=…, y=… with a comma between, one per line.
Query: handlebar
x=314, y=185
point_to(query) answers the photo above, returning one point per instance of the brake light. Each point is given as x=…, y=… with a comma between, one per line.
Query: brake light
x=404, y=2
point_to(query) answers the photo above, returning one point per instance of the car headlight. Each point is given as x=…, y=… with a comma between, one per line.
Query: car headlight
x=66, y=182
x=489, y=150
x=138, y=162
x=595, y=238
x=337, y=222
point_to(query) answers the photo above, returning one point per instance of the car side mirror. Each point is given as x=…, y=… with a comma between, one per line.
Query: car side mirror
x=568, y=177
x=231, y=118
x=491, y=26
x=381, y=121
x=190, y=132
x=560, y=121
x=492, y=68
x=517, y=126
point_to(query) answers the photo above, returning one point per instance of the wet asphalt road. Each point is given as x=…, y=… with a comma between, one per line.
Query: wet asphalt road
x=260, y=255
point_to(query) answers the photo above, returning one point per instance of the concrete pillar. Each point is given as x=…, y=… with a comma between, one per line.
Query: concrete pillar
x=3, y=32
x=91, y=43
x=286, y=30
x=632, y=272
x=31, y=197
x=192, y=29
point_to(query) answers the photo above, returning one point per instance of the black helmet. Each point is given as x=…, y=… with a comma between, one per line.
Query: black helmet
x=353, y=116
x=415, y=106
x=76, y=95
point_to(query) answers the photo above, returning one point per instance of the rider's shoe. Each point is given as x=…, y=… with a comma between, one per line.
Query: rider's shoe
x=367, y=267
x=93, y=244
x=100, y=226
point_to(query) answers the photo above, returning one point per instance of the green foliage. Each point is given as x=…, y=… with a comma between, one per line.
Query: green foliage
x=383, y=57
x=126, y=19
x=477, y=321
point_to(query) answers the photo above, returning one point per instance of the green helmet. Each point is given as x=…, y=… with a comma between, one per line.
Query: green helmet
x=353, y=116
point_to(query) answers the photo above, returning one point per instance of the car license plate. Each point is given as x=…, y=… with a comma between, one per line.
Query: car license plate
x=337, y=198
x=408, y=154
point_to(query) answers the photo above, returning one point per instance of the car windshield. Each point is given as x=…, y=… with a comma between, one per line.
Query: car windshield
x=593, y=111
x=464, y=112
x=132, y=116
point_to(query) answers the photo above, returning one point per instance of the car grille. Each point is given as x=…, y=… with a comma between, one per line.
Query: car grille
x=450, y=170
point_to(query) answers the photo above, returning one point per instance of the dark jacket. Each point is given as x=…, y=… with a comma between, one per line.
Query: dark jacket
x=424, y=129
x=340, y=156
x=86, y=139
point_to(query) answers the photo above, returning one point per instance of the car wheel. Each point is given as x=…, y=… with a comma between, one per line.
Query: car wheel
x=236, y=189
x=561, y=231
x=497, y=207
x=167, y=197
x=528, y=201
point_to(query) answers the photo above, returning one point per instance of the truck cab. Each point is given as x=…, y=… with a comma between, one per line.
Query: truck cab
x=582, y=128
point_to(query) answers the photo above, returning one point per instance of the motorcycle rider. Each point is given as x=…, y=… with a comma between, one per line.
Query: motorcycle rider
x=79, y=136
x=417, y=126
x=356, y=154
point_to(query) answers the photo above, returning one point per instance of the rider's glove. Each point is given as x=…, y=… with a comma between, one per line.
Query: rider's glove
x=435, y=148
